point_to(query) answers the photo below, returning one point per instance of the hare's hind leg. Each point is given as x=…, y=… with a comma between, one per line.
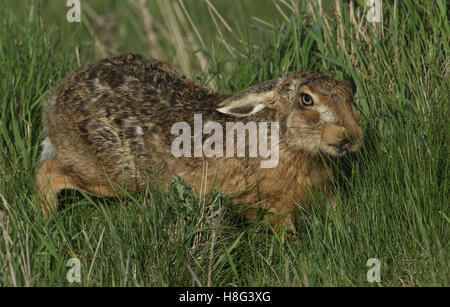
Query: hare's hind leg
x=50, y=180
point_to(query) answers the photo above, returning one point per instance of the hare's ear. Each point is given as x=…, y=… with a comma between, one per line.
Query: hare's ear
x=247, y=103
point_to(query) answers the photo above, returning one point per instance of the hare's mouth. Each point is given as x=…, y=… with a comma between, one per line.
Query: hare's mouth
x=341, y=148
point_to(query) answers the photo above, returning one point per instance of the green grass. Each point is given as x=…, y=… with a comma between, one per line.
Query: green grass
x=393, y=199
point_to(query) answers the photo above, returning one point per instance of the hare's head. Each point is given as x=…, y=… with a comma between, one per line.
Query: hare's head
x=316, y=112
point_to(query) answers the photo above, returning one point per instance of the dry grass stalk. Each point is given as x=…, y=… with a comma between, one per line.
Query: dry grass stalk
x=154, y=47
x=176, y=37
x=194, y=276
x=281, y=11
x=94, y=16
x=223, y=21
x=288, y=5
x=194, y=46
x=188, y=16
x=7, y=239
x=263, y=22
x=219, y=31
x=95, y=254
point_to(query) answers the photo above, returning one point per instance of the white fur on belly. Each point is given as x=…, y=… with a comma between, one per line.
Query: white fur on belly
x=48, y=150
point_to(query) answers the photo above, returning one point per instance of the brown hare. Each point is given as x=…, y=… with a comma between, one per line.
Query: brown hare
x=114, y=122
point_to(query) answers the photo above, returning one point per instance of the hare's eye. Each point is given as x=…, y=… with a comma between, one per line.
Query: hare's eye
x=306, y=100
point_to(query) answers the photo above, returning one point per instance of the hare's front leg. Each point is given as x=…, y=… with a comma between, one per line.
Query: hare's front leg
x=280, y=215
x=50, y=180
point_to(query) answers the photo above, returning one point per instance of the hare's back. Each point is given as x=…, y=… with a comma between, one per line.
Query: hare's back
x=95, y=114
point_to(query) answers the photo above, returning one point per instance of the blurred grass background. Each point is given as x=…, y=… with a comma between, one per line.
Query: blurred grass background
x=393, y=199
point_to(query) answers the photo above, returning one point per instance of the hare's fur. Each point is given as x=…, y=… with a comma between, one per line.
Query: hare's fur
x=109, y=124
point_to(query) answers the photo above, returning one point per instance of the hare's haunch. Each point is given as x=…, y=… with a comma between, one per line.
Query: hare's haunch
x=128, y=119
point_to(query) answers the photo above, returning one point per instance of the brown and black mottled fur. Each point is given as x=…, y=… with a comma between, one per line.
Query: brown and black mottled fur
x=110, y=122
